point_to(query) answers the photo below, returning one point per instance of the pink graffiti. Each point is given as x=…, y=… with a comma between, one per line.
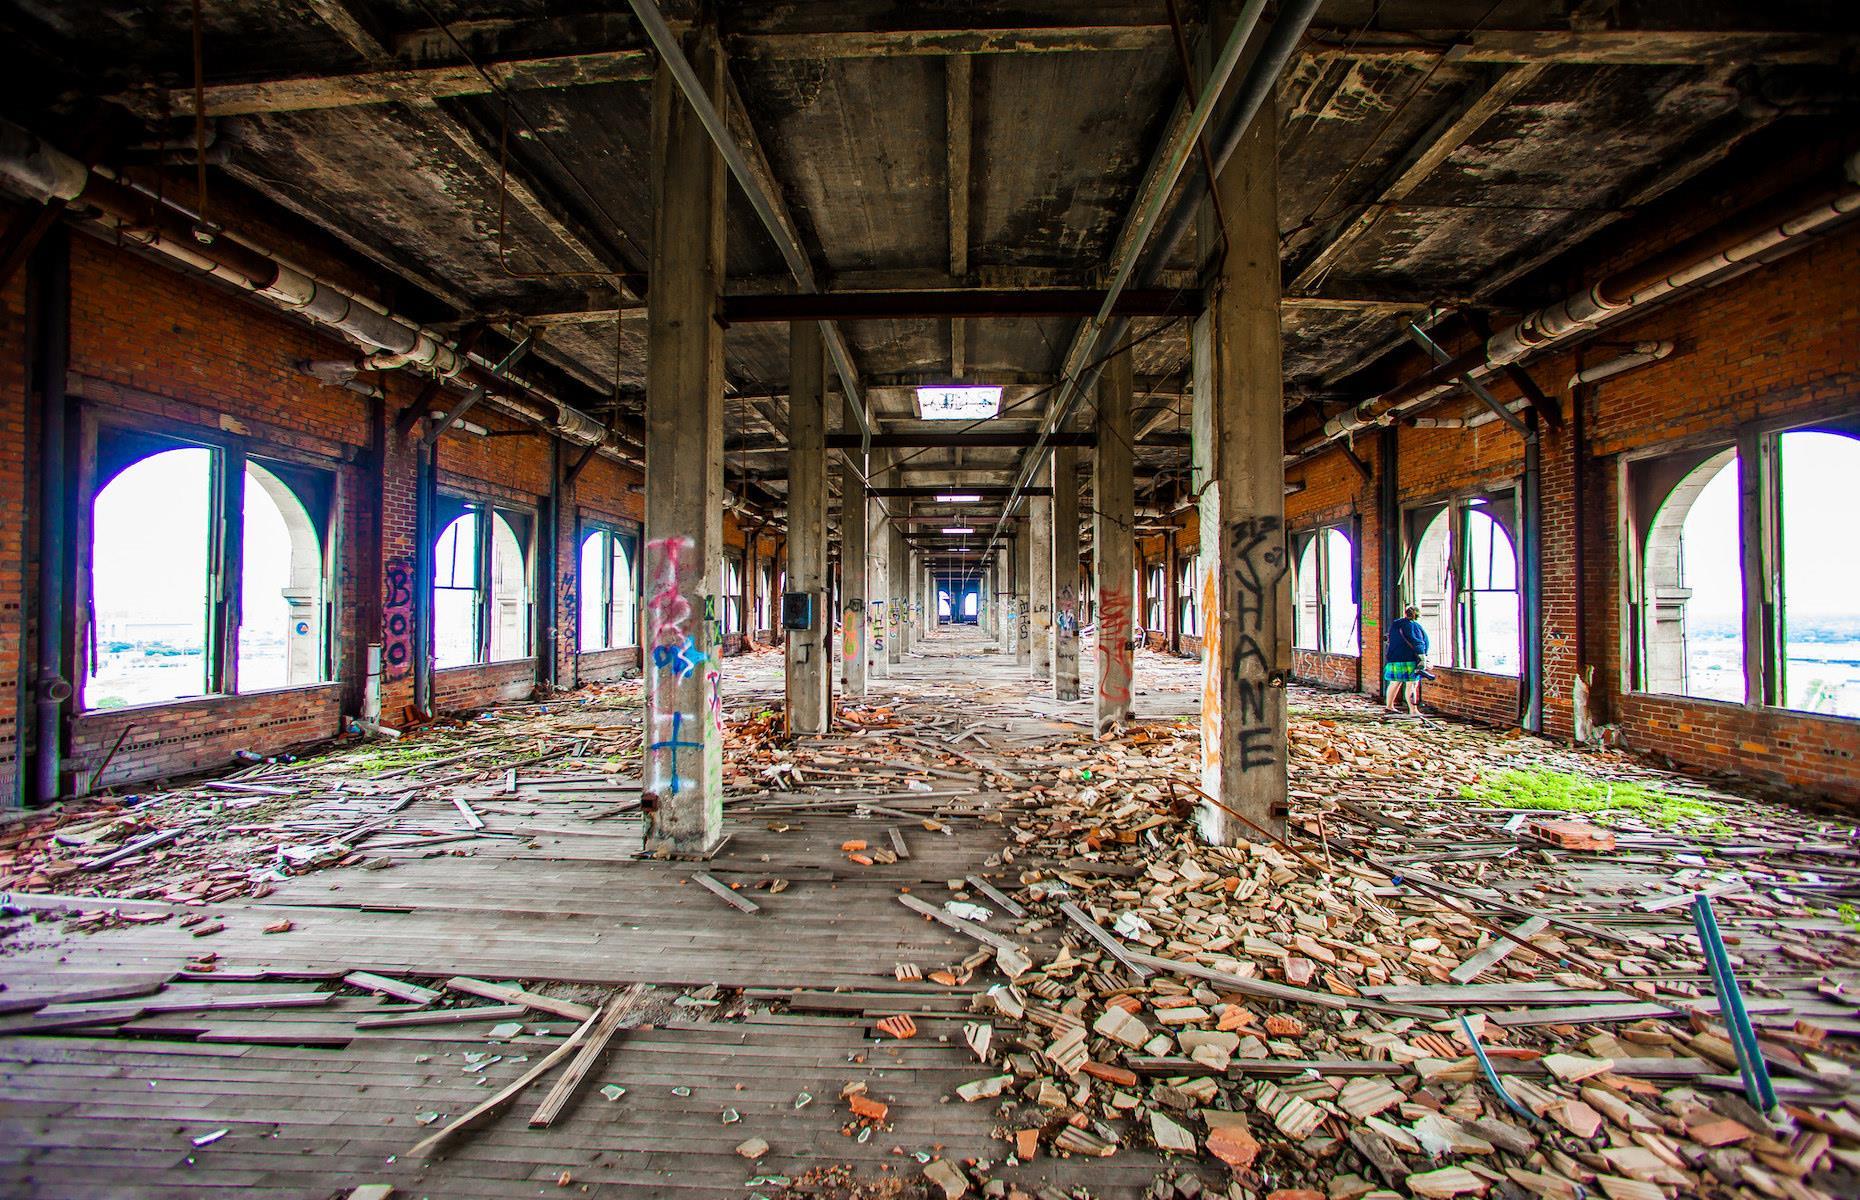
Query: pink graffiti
x=1114, y=659
x=667, y=607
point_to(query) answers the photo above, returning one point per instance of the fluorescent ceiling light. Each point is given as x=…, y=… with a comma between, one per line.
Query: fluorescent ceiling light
x=957, y=529
x=958, y=403
x=957, y=498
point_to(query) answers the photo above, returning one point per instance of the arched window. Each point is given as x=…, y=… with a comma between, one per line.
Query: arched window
x=942, y=605
x=1305, y=597
x=1190, y=599
x=281, y=592
x=149, y=581
x=1691, y=587
x=1324, y=592
x=1463, y=576
x=970, y=603
x=609, y=594
x=455, y=593
x=174, y=526
x=1820, y=605
x=482, y=602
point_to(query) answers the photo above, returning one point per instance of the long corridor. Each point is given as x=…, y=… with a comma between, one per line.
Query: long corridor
x=337, y=958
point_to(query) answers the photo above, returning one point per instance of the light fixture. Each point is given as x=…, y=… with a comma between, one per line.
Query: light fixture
x=957, y=403
x=958, y=498
x=957, y=529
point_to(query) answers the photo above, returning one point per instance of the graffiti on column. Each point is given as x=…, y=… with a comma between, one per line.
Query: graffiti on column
x=1256, y=548
x=1067, y=618
x=1114, y=661
x=877, y=613
x=676, y=658
x=397, y=618
x=849, y=630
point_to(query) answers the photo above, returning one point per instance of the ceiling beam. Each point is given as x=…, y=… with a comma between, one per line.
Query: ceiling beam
x=909, y=43
x=988, y=491
x=1431, y=150
x=954, y=302
x=357, y=28
x=1590, y=47
x=958, y=440
x=959, y=129
x=401, y=85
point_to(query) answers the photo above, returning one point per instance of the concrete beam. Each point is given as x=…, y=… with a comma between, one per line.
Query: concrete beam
x=1066, y=609
x=683, y=773
x=1113, y=541
x=1245, y=589
x=936, y=304
x=809, y=652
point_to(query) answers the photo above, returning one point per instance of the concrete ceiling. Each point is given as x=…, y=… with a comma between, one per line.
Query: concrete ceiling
x=1432, y=153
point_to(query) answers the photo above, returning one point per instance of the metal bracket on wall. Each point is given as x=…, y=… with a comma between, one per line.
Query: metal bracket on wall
x=478, y=393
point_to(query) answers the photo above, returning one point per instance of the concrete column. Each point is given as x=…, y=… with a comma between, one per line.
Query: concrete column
x=1066, y=550
x=914, y=601
x=1113, y=548
x=1040, y=576
x=1004, y=576
x=877, y=582
x=684, y=469
x=897, y=623
x=852, y=567
x=1023, y=595
x=1238, y=445
x=809, y=651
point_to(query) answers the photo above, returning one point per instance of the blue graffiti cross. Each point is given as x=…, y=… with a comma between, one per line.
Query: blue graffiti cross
x=674, y=744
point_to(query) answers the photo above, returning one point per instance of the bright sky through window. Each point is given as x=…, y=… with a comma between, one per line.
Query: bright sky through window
x=958, y=403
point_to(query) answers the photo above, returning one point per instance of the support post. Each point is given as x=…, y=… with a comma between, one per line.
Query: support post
x=897, y=570
x=1040, y=574
x=877, y=583
x=809, y=651
x=852, y=564
x=684, y=468
x=1239, y=472
x=1113, y=545
x=1066, y=548
x=1023, y=596
x=915, y=607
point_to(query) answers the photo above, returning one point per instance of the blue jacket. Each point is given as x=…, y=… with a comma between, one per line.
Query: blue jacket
x=1407, y=642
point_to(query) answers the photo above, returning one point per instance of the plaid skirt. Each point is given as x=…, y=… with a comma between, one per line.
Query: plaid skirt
x=1401, y=672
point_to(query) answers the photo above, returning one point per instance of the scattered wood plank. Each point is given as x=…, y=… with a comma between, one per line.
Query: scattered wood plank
x=400, y=989
x=986, y=937
x=725, y=893
x=131, y=849
x=617, y=1012
x=1111, y=945
x=516, y=995
x=1496, y=951
x=126, y=990
x=510, y=1092
x=1001, y=899
x=446, y=1016
x=465, y=810
x=1246, y=987
x=898, y=845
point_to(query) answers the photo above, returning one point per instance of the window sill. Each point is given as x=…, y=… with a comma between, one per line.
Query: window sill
x=1740, y=706
x=527, y=660
x=150, y=706
x=1438, y=668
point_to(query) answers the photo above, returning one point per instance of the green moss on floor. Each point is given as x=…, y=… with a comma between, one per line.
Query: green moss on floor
x=1563, y=791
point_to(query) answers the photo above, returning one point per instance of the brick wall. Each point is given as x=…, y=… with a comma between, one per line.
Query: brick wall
x=1780, y=343
x=461, y=689
x=163, y=740
x=170, y=352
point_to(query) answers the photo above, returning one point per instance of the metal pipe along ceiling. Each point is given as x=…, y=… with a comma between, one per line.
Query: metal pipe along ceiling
x=46, y=173
x=1779, y=225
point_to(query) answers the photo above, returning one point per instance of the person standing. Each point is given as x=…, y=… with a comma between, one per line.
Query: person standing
x=1404, y=661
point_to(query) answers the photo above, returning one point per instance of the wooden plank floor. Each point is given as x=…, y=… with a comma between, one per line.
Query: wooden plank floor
x=312, y=1107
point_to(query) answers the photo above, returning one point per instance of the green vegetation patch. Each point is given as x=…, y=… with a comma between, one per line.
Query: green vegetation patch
x=1561, y=791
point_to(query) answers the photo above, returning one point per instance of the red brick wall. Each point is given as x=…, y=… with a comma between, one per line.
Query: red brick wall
x=196, y=735
x=167, y=350
x=461, y=689
x=15, y=550
x=1780, y=343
